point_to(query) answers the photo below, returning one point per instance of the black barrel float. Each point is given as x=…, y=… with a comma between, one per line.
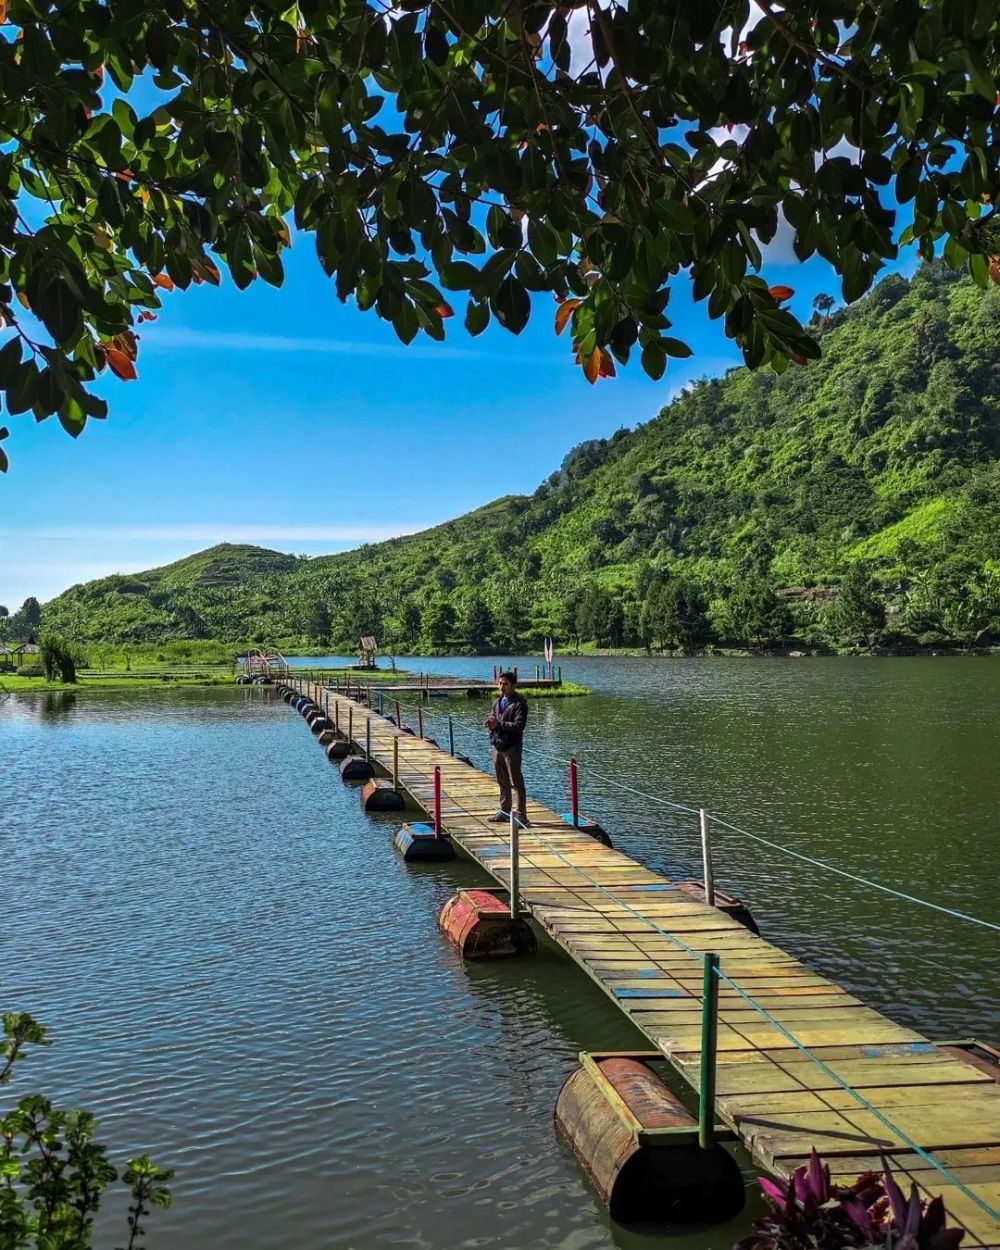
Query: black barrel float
x=379, y=796
x=589, y=826
x=419, y=843
x=356, y=768
x=319, y=723
x=735, y=908
x=338, y=749
x=639, y=1146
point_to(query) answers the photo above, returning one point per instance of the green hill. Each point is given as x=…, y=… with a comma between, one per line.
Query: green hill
x=731, y=517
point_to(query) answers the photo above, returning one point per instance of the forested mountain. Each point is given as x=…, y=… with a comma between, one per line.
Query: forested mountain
x=734, y=516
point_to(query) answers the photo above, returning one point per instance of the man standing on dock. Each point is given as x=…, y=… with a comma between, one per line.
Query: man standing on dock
x=506, y=723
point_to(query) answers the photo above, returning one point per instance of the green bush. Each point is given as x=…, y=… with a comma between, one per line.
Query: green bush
x=54, y=1173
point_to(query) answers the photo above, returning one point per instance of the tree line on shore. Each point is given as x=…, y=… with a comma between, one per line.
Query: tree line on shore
x=855, y=504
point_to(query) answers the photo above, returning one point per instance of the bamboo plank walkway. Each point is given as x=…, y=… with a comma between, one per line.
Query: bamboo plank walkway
x=604, y=910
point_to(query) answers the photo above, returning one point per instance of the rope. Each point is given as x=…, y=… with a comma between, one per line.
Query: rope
x=777, y=846
x=874, y=885
x=954, y=913
x=883, y=1119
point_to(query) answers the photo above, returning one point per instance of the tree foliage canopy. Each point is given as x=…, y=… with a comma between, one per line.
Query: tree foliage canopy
x=594, y=150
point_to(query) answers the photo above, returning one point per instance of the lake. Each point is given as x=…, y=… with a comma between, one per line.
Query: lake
x=242, y=979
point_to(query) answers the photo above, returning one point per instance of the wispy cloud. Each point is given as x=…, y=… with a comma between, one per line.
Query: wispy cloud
x=217, y=532
x=166, y=337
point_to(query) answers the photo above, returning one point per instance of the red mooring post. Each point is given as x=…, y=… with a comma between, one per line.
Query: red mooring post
x=399, y=716
x=437, y=801
x=574, y=797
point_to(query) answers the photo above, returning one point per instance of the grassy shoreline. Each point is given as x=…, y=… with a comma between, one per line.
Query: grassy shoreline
x=224, y=675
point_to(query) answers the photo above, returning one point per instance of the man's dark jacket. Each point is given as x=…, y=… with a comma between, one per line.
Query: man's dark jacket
x=510, y=722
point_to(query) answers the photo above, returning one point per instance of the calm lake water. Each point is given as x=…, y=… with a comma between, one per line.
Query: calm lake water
x=242, y=979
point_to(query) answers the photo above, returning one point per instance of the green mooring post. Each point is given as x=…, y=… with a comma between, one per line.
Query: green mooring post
x=709, y=1036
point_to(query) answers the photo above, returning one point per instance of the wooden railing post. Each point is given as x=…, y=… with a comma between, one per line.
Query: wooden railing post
x=706, y=859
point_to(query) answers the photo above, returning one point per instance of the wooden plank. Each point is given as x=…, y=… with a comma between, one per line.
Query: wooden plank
x=641, y=941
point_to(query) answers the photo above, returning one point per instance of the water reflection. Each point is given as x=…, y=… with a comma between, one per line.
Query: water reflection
x=55, y=705
x=244, y=980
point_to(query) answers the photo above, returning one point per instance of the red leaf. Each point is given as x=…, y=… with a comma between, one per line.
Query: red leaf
x=444, y=310
x=119, y=364
x=796, y=359
x=161, y=279
x=994, y=269
x=607, y=369
x=124, y=175
x=564, y=312
x=203, y=271
x=780, y=293
x=592, y=366
x=126, y=343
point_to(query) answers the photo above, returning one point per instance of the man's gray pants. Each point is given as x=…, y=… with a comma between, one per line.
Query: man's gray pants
x=507, y=765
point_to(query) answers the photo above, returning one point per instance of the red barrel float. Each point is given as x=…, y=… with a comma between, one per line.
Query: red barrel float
x=481, y=926
x=639, y=1146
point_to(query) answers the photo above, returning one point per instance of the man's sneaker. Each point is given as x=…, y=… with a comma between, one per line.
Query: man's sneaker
x=501, y=818
x=524, y=822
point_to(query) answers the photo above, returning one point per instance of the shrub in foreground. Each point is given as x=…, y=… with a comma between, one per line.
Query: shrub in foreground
x=52, y=1172
x=811, y=1213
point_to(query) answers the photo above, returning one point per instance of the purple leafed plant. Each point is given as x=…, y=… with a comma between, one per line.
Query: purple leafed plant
x=811, y=1213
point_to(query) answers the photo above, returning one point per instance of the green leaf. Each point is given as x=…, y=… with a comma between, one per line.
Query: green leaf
x=512, y=305
x=21, y=391
x=477, y=316
x=675, y=348
x=980, y=270
x=10, y=358
x=654, y=360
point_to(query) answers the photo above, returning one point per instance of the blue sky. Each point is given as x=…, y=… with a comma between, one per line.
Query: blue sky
x=284, y=418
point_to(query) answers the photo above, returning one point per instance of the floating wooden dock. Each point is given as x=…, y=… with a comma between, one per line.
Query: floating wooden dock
x=457, y=685
x=641, y=938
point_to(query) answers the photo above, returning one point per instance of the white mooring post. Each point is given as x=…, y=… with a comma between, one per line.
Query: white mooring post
x=706, y=859
x=515, y=867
